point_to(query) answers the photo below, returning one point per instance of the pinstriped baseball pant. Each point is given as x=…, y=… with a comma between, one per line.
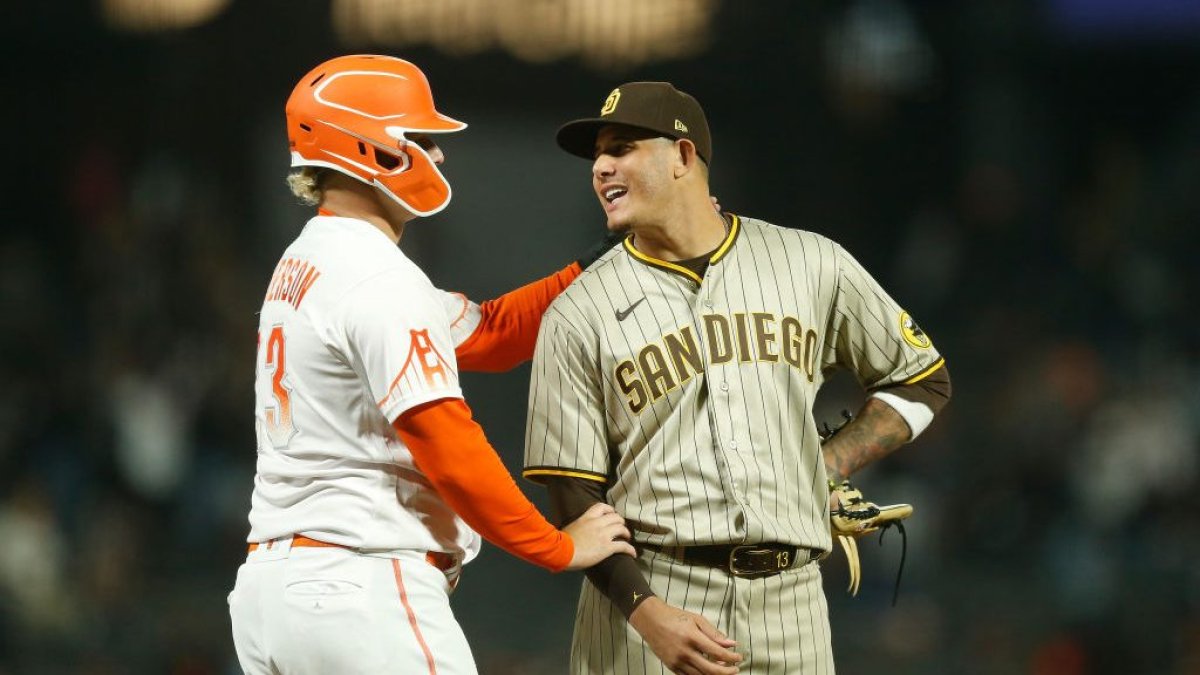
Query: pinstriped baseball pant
x=780, y=622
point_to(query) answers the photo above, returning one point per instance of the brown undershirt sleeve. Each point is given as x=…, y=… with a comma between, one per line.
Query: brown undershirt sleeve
x=617, y=576
x=933, y=391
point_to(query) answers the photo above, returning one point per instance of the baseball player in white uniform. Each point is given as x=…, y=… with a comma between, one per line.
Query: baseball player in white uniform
x=675, y=378
x=373, y=483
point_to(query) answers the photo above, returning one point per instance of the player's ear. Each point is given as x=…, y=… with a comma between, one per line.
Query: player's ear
x=685, y=157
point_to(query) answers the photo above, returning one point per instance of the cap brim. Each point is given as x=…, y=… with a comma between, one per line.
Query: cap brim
x=578, y=137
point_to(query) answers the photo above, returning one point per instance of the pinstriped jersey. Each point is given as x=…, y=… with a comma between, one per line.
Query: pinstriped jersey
x=691, y=397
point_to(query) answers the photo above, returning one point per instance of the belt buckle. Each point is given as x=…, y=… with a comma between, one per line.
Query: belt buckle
x=765, y=555
x=765, y=560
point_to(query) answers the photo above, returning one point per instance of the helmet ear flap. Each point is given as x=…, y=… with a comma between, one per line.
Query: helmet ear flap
x=419, y=186
x=389, y=161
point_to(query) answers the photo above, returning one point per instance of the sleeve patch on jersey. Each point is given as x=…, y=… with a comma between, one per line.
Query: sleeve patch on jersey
x=538, y=473
x=466, y=304
x=435, y=370
x=912, y=333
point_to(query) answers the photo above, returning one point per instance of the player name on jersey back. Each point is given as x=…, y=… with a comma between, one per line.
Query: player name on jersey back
x=291, y=280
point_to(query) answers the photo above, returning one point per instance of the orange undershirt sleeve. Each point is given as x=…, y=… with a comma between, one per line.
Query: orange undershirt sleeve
x=508, y=328
x=450, y=448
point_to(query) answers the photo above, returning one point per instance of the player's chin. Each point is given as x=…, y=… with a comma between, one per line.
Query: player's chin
x=617, y=220
x=617, y=226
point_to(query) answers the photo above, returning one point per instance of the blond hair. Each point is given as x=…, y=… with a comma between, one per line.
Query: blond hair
x=307, y=184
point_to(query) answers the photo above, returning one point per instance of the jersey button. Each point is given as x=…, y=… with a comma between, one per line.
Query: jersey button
x=724, y=386
x=733, y=445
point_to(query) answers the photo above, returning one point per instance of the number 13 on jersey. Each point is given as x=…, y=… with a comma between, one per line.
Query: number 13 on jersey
x=277, y=405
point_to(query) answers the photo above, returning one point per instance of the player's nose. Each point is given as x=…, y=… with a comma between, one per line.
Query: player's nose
x=435, y=153
x=603, y=166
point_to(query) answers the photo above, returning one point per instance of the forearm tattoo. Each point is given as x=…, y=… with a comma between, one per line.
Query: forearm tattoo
x=875, y=432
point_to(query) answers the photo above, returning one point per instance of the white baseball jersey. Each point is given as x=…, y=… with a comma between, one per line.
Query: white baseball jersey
x=691, y=398
x=352, y=334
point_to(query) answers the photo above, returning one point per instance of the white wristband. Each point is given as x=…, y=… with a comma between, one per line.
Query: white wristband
x=916, y=415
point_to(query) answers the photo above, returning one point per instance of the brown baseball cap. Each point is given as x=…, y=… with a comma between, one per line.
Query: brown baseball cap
x=653, y=106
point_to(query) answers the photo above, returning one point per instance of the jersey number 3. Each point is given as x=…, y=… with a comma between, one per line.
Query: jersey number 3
x=278, y=417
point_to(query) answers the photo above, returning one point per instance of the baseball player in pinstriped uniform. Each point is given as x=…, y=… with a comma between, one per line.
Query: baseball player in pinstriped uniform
x=675, y=378
x=373, y=483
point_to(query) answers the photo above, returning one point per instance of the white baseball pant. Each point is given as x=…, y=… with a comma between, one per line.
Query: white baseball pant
x=301, y=610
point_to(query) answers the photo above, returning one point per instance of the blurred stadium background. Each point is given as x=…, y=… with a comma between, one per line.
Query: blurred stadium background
x=1023, y=175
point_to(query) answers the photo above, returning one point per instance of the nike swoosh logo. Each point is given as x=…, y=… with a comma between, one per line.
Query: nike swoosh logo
x=621, y=315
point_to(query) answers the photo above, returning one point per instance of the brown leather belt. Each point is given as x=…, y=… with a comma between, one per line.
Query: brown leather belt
x=749, y=561
x=439, y=559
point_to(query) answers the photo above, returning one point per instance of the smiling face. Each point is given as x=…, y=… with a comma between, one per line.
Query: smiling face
x=631, y=175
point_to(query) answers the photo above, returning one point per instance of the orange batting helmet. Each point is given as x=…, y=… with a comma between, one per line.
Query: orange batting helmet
x=351, y=114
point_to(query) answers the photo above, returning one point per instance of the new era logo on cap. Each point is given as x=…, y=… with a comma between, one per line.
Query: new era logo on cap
x=653, y=106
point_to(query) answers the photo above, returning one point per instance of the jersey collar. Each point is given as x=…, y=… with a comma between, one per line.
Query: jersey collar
x=718, y=254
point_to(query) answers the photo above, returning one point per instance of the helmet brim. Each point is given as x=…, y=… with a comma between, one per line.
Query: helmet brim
x=427, y=124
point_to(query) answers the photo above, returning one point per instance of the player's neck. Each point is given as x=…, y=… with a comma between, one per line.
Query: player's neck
x=684, y=233
x=351, y=199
